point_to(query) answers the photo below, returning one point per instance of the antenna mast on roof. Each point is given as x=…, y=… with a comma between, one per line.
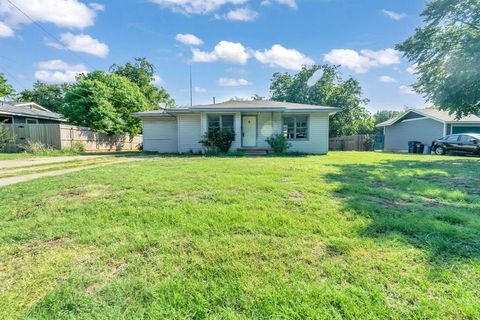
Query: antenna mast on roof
x=191, y=88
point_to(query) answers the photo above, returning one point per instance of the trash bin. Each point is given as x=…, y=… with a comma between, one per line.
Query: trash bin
x=427, y=150
x=412, y=146
x=419, y=148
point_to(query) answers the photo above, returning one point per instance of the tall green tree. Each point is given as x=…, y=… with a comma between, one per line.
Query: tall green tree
x=330, y=89
x=104, y=102
x=6, y=90
x=143, y=73
x=50, y=96
x=446, y=51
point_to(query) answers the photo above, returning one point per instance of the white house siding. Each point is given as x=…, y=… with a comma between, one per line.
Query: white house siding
x=189, y=133
x=424, y=130
x=317, y=142
x=265, y=128
x=160, y=135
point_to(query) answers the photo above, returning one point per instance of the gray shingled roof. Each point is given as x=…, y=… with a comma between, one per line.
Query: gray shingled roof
x=253, y=106
x=25, y=109
x=439, y=115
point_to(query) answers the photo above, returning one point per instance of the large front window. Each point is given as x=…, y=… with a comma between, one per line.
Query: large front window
x=295, y=127
x=219, y=122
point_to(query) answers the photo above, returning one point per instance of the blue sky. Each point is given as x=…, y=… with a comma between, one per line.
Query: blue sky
x=234, y=46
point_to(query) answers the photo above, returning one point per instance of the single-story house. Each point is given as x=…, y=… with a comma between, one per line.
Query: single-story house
x=179, y=130
x=27, y=113
x=424, y=125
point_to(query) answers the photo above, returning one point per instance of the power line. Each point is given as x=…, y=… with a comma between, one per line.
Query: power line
x=48, y=33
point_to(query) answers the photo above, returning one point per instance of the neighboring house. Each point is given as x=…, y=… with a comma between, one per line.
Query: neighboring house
x=27, y=113
x=424, y=125
x=179, y=130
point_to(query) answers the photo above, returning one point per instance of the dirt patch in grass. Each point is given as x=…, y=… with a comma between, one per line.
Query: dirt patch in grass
x=469, y=184
x=296, y=195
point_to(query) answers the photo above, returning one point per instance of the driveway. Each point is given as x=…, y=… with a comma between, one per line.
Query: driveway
x=15, y=171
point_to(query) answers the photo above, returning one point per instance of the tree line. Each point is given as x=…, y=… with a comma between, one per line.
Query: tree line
x=100, y=100
x=445, y=52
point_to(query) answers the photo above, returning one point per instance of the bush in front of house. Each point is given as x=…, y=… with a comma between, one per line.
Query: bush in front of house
x=279, y=143
x=218, y=140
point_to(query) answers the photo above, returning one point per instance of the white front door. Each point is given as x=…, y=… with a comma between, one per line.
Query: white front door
x=249, y=132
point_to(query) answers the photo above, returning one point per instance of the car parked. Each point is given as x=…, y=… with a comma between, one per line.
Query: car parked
x=459, y=143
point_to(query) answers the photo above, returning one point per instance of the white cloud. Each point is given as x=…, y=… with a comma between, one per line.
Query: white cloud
x=71, y=14
x=189, y=39
x=230, y=82
x=199, y=90
x=157, y=80
x=97, y=6
x=387, y=79
x=5, y=31
x=225, y=51
x=279, y=56
x=362, y=61
x=58, y=71
x=241, y=14
x=394, y=15
x=407, y=90
x=413, y=69
x=81, y=43
x=291, y=3
x=196, y=6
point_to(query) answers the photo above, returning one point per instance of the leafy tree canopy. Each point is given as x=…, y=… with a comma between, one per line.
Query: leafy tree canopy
x=104, y=102
x=49, y=96
x=6, y=90
x=329, y=90
x=446, y=51
x=142, y=73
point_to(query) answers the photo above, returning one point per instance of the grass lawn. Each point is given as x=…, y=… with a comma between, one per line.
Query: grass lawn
x=348, y=235
x=64, y=153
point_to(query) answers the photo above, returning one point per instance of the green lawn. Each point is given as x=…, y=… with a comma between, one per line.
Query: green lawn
x=348, y=235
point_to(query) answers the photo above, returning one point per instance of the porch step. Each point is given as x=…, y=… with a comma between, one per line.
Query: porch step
x=254, y=152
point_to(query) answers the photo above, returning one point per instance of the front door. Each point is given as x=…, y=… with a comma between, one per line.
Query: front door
x=249, y=131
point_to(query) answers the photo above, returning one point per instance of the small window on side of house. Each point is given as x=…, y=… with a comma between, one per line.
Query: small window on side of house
x=31, y=121
x=295, y=127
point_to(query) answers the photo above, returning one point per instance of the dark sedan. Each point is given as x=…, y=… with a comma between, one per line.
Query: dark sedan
x=461, y=143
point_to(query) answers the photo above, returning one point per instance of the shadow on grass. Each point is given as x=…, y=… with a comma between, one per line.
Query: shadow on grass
x=432, y=205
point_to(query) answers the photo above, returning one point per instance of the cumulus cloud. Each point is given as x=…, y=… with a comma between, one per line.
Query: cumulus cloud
x=58, y=71
x=71, y=14
x=81, y=43
x=413, y=69
x=157, y=80
x=241, y=14
x=387, y=79
x=279, y=56
x=5, y=31
x=196, y=6
x=97, y=6
x=407, y=90
x=394, y=15
x=199, y=90
x=291, y=3
x=230, y=82
x=362, y=61
x=189, y=39
x=230, y=52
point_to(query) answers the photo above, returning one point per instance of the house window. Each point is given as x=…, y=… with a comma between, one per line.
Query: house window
x=31, y=121
x=295, y=127
x=6, y=120
x=219, y=122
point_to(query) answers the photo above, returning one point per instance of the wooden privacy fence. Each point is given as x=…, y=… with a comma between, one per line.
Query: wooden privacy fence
x=62, y=136
x=364, y=142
